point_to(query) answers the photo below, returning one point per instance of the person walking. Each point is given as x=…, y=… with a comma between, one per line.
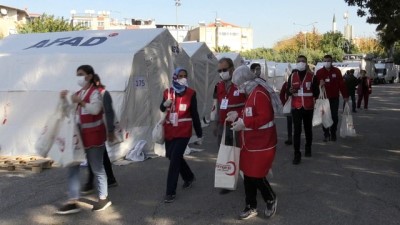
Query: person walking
x=89, y=117
x=351, y=83
x=364, y=89
x=331, y=78
x=181, y=106
x=304, y=89
x=258, y=141
x=109, y=121
x=289, y=124
x=228, y=99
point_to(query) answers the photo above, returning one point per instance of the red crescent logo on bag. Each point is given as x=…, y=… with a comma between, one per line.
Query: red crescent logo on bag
x=233, y=167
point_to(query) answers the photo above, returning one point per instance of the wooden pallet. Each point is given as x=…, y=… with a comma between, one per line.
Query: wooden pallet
x=33, y=163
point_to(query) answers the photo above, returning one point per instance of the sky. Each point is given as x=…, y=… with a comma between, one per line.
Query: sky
x=271, y=20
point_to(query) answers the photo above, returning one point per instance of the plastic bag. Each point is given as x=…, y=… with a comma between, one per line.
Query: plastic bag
x=49, y=131
x=322, y=110
x=287, y=108
x=347, y=126
x=158, y=131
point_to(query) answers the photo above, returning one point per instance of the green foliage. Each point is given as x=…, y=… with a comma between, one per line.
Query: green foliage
x=384, y=13
x=47, y=23
x=223, y=48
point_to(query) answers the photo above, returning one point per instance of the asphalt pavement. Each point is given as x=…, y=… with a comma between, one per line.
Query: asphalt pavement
x=353, y=181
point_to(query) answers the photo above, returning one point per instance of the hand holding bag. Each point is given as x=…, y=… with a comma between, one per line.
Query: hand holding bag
x=227, y=166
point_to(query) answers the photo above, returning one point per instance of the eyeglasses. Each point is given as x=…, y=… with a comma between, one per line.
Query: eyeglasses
x=223, y=70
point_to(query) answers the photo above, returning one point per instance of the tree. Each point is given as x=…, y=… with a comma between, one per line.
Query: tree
x=384, y=13
x=223, y=48
x=47, y=23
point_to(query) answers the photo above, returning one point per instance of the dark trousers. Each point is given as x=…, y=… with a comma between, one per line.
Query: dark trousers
x=251, y=184
x=302, y=116
x=289, y=124
x=175, y=149
x=353, y=101
x=331, y=131
x=107, y=168
x=363, y=95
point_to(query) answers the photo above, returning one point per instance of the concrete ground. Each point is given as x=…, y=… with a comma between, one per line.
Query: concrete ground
x=351, y=181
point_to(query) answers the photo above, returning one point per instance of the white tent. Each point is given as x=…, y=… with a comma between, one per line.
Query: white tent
x=236, y=58
x=135, y=66
x=203, y=75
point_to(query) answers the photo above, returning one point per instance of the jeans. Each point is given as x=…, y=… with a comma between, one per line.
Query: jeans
x=302, y=116
x=334, y=104
x=251, y=184
x=95, y=158
x=107, y=167
x=174, y=150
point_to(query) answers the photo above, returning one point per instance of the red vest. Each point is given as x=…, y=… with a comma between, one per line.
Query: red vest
x=93, y=130
x=303, y=99
x=265, y=136
x=181, y=106
x=236, y=100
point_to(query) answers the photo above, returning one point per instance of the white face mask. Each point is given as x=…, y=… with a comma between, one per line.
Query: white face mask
x=327, y=64
x=225, y=75
x=183, y=81
x=81, y=81
x=301, y=66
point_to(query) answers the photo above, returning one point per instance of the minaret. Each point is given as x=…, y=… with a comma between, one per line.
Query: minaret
x=334, y=24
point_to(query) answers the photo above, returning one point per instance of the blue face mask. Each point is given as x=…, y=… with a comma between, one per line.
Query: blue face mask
x=178, y=88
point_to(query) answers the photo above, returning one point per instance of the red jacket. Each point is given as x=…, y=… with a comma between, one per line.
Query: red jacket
x=259, y=137
x=235, y=100
x=93, y=130
x=333, y=82
x=364, y=86
x=180, y=105
x=306, y=98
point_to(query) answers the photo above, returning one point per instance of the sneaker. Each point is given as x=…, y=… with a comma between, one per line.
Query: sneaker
x=270, y=210
x=297, y=159
x=333, y=138
x=307, y=152
x=327, y=138
x=101, y=205
x=288, y=142
x=169, y=198
x=247, y=213
x=87, y=189
x=69, y=208
x=188, y=184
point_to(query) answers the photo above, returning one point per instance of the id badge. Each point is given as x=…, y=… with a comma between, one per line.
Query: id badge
x=333, y=75
x=308, y=85
x=300, y=92
x=236, y=93
x=249, y=111
x=327, y=80
x=224, y=103
x=173, y=118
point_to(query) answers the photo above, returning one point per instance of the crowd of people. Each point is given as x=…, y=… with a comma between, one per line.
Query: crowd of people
x=245, y=103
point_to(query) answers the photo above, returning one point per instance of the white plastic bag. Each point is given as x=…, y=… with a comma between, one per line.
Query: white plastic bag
x=67, y=149
x=287, y=108
x=322, y=110
x=158, y=131
x=49, y=131
x=227, y=166
x=347, y=127
x=137, y=154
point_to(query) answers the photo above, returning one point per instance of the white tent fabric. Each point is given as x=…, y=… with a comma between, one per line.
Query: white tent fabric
x=135, y=66
x=236, y=58
x=203, y=75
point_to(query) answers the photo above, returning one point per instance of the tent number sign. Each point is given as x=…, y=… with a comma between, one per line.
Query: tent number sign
x=140, y=82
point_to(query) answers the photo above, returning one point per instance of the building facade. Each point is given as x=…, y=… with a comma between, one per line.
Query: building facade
x=221, y=34
x=10, y=18
x=96, y=21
